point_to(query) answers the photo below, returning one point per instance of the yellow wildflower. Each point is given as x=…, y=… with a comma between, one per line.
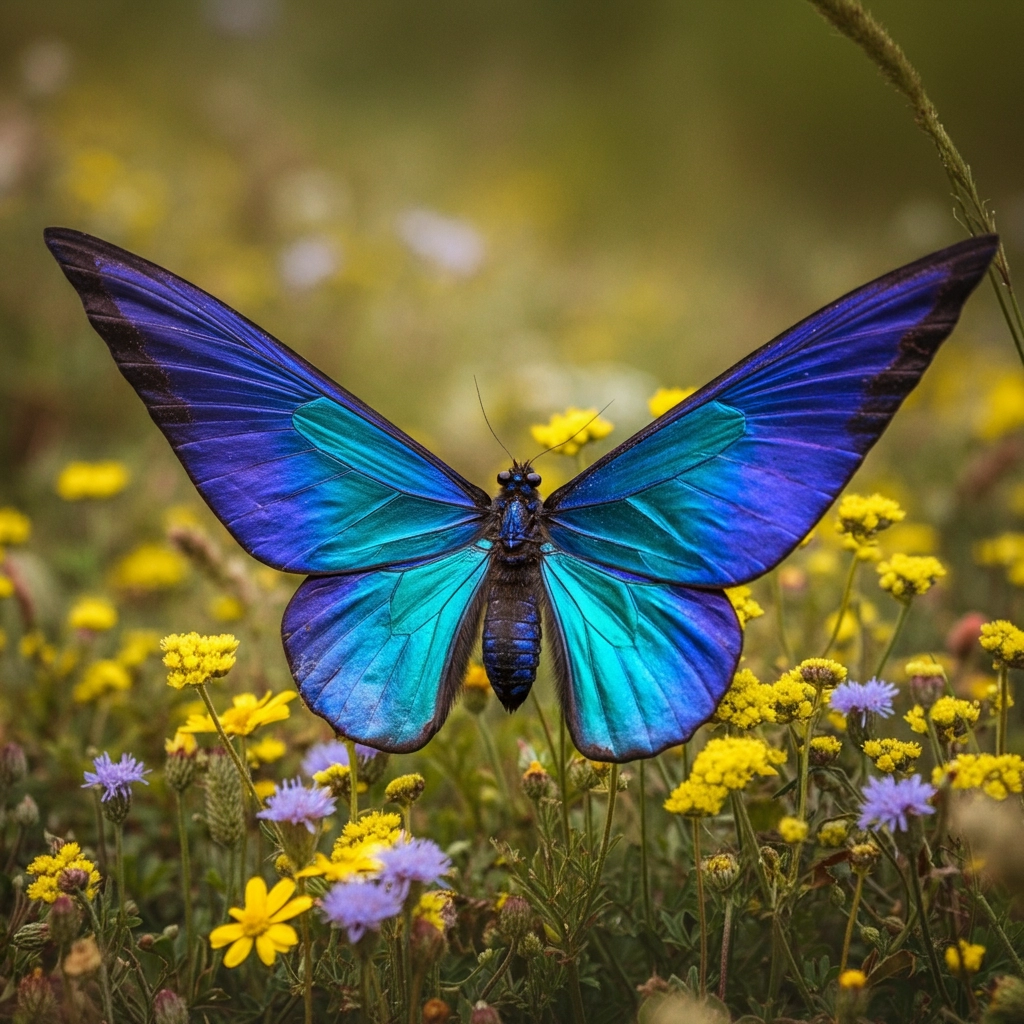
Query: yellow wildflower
x=432, y=907
x=265, y=788
x=853, y=979
x=725, y=764
x=667, y=398
x=94, y=614
x=150, y=567
x=260, y=922
x=965, y=957
x=15, y=528
x=181, y=743
x=793, y=830
x=793, y=699
x=346, y=862
x=405, y=790
x=860, y=519
x=924, y=668
x=833, y=833
x=991, y=692
x=743, y=604
x=136, y=646
x=825, y=750
x=48, y=868
x=6, y=584
x=952, y=716
x=194, y=659
x=33, y=646
x=227, y=608
x=1004, y=641
x=1002, y=411
x=890, y=755
x=821, y=672
x=84, y=957
x=571, y=430
x=246, y=714
x=377, y=826
x=916, y=720
x=997, y=775
x=82, y=480
x=266, y=751
x=99, y=678
x=907, y=576
x=476, y=678
x=747, y=703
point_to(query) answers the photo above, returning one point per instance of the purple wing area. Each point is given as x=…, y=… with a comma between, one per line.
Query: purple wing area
x=305, y=476
x=722, y=487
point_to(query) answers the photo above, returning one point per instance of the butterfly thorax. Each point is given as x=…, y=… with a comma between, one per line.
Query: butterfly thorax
x=512, y=626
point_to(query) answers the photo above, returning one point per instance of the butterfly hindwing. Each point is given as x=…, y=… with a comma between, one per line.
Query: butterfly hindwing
x=722, y=487
x=641, y=664
x=305, y=476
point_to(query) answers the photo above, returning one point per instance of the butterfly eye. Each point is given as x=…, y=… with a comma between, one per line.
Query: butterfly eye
x=504, y=476
x=533, y=479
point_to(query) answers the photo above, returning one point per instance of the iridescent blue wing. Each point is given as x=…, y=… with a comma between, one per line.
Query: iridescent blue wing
x=640, y=664
x=722, y=487
x=381, y=654
x=305, y=476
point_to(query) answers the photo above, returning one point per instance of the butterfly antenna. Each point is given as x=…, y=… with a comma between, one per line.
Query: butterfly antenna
x=568, y=439
x=487, y=421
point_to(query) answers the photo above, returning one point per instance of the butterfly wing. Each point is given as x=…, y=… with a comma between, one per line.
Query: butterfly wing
x=381, y=654
x=722, y=487
x=641, y=664
x=305, y=476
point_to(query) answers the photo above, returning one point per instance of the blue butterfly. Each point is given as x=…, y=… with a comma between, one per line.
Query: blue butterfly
x=624, y=566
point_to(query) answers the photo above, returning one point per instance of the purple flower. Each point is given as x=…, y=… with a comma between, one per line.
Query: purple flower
x=322, y=755
x=358, y=906
x=873, y=696
x=116, y=777
x=888, y=802
x=293, y=803
x=419, y=860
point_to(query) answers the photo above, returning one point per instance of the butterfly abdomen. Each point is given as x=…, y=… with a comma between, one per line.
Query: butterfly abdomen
x=512, y=632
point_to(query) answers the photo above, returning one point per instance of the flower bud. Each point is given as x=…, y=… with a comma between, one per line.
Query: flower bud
x=863, y=857
x=225, y=807
x=582, y=775
x=73, y=880
x=13, y=766
x=405, y=790
x=31, y=938
x=837, y=896
x=436, y=1011
x=514, y=918
x=169, y=1008
x=484, y=1013
x=37, y=1003
x=117, y=807
x=824, y=750
x=180, y=770
x=26, y=812
x=530, y=946
x=426, y=943
x=720, y=871
x=536, y=782
x=146, y=941
x=171, y=932
x=64, y=920
x=870, y=935
x=1007, y=1003
x=475, y=689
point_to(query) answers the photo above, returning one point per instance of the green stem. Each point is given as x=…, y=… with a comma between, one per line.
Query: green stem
x=613, y=787
x=644, y=875
x=748, y=841
x=575, y=994
x=986, y=909
x=119, y=868
x=186, y=887
x=849, y=924
x=559, y=761
x=780, y=617
x=845, y=601
x=926, y=934
x=307, y=962
x=563, y=783
x=497, y=976
x=794, y=970
x=723, y=965
x=492, y=754
x=243, y=772
x=108, y=1002
x=101, y=831
x=897, y=629
x=701, y=910
x=353, y=781
x=1004, y=709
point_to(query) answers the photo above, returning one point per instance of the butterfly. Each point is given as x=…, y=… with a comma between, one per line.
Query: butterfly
x=622, y=569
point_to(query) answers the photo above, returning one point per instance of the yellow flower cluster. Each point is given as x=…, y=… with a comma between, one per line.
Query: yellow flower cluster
x=99, y=678
x=997, y=775
x=793, y=830
x=266, y=751
x=194, y=660
x=432, y=907
x=907, y=576
x=571, y=430
x=1005, y=550
x=227, y=608
x=667, y=398
x=922, y=668
x=150, y=567
x=79, y=481
x=748, y=702
x=744, y=605
x=965, y=957
x=94, y=614
x=793, y=698
x=916, y=719
x=951, y=716
x=853, y=980
x=1002, y=411
x=246, y=714
x=15, y=528
x=48, y=868
x=377, y=826
x=136, y=646
x=1004, y=641
x=181, y=743
x=833, y=833
x=346, y=862
x=861, y=518
x=891, y=755
x=724, y=765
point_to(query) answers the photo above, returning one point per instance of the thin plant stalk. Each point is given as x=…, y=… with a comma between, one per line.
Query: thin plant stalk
x=844, y=602
x=243, y=772
x=897, y=629
x=854, y=907
x=1004, y=708
x=644, y=871
x=559, y=762
x=563, y=782
x=701, y=909
x=499, y=973
x=780, y=617
x=307, y=962
x=926, y=934
x=186, y=885
x=986, y=909
x=613, y=787
x=353, y=781
x=492, y=755
x=101, y=831
x=122, y=896
x=723, y=964
x=108, y=1002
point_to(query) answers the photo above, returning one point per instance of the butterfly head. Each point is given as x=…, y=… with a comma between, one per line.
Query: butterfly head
x=519, y=482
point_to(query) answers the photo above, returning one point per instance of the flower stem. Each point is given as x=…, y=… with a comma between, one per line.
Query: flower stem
x=563, y=783
x=845, y=601
x=492, y=755
x=243, y=772
x=849, y=924
x=644, y=873
x=613, y=787
x=986, y=909
x=701, y=910
x=108, y=1002
x=119, y=868
x=499, y=973
x=897, y=629
x=723, y=965
x=780, y=617
x=353, y=781
x=307, y=962
x=186, y=887
x=1004, y=708
x=101, y=831
x=926, y=934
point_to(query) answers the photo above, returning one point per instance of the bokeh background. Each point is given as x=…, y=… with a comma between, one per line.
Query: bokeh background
x=574, y=202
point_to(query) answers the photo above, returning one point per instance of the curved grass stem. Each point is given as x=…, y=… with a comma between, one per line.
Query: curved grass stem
x=844, y=602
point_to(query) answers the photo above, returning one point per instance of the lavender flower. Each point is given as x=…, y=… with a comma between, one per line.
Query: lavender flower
x=293, y=803
x=888, y=802
x=359, y=906
x=419, y=860
x=322, y=755
x=874, y=697
x=116, y=778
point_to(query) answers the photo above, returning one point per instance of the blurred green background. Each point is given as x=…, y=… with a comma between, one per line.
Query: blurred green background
x=576, y=202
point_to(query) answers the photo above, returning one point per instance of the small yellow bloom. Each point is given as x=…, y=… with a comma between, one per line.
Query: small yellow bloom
x=997, y=775
x=952, y=716
x=1004, y=641
x=853, y=979
x=99, y=678
x=48, y=868
x=150, y=567
x=825, y=749
x=194, y=659
x=432, y=907
x=246, y=714
x=915, y=718
x=924, y=668
x=833, y=833
x=965, y=957
x=266, y=751
x=891, y=755
x=907, y=576
x=571, y=430
x=136, y=646
x=6, y=584
x=260, y=922
x=860, y=519
x=265, y=788
x=667, y=398
x=793, y=830
x=476, y=678
x=743, y=604
x=1002, y=411
x=747, y=703
x=346, y=862
x=793, y=698
x=15, y=528
x=79, y=481
x=406, y=789
x=227, y=608
x=377, y=826
x=181, y=743
x=94, y=614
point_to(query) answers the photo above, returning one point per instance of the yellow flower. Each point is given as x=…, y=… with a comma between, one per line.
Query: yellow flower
x=571, y=430
x=793, y=698
x=997, y=775
x=405, y=790
x=916, y=720
x=860, y=519
x=377, y=826
x=194, y=659
x=743, y=604
x=260, y=921
x=346, y=862
x=6, y=583
x=747, y=703
x=227, y=608
x=431, y=908
x=84, y=957
x=266, y=751
x=847, y=630
x=33, y=646
x=924, y=668
x=891, y=755
x=724, y=765
x=965, y=957
x=81, y=480
x=952, y=716
x=1002, y=411
x=104, y=676
x=15, y=528
x=265, y=788
x=476, y=678
x=181, y=743
x=48, y=868
x=907, y=576
x=246, y=714
x=150, y=567
x=92, y=613
x=136, y=646
x=853, y=979
x=833, y=833
x=667, y=398
x=793, y=830
x=1004, y=641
